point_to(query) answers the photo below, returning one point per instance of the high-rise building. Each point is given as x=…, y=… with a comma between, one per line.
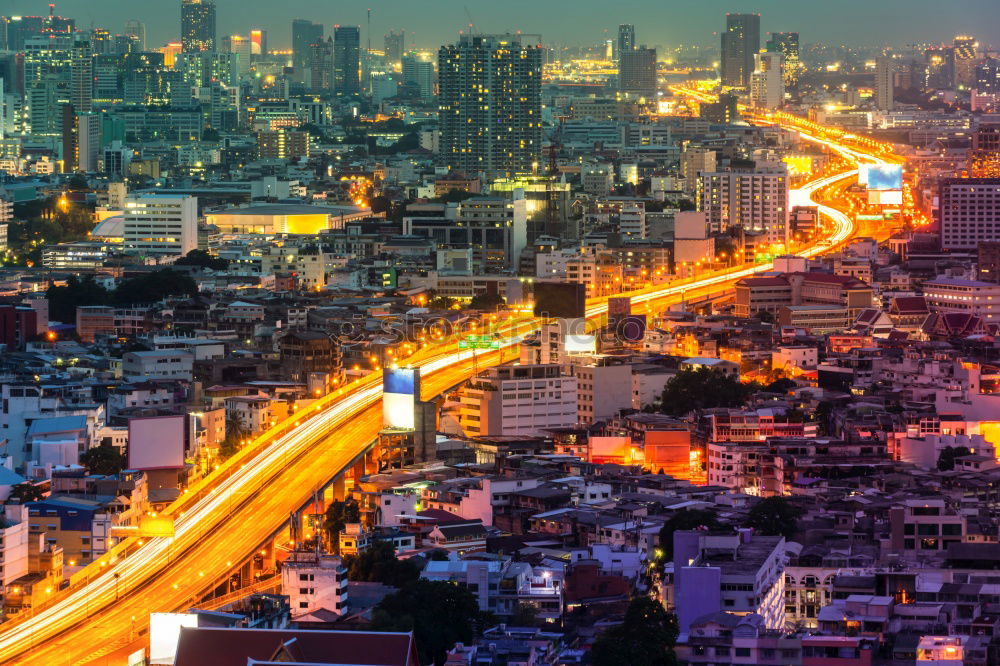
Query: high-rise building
x=419, y=73
x=885, y=74
x=258, y=42
x=767, y=84
x=346, y=60
x=490, y=104
x=626, y=38
x=137, y=30
x=198, y=25
x=740, y=42
x=749, y=196
x=82, y=78
x=963, y=223
x=987, y=76
x=88, y=141
x=160, y=224
x=939, y=63
x=637, y=72
x=321, y=66
x=966, y=51
x=787, y=44
x=395, y=46
x=304, y=35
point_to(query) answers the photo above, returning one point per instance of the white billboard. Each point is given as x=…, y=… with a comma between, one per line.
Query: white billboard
x=400, y=391
x=885, y=197
x=164, y=631
x=156, y=442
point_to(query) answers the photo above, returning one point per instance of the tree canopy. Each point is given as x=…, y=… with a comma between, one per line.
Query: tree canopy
x=486, y=302
x=338, y=514
x=148, y=288
x=703, y=388
x=774, y=516
x=946, y=459
x=202, y=259
x=686, y=519
x=439, y=614
x=646, y=637
x=379, y=564
x=103, y=459
x=26, y=492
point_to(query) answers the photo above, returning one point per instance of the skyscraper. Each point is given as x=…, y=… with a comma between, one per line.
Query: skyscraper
x=346, y=59
x=740, y=42
x=304, y=35
x=884, y=82
x=419, y=73
x=966, y=56
x=198, y=25
x=787, y=44
x=626, y=38
x=767, y=84
x=395, y=46
x=321, y=66
x=637, y=72
x=490, y=104
x=137, y=30
x=81, y=94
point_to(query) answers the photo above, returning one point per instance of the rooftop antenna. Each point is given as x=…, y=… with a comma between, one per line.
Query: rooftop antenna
x=472, y=24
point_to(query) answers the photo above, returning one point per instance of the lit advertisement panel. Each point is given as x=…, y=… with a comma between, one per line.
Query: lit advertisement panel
x=566, y=300
x=164, y=632
x=881, y=176
x=400, y=391
x=156, y=442
x=580, y=344
x=885, y=197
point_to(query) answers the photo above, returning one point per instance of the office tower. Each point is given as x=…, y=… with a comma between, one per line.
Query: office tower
x=419, y=73
x=984, y=156
x=749, y=196
x=966, y=50
x=740, y=42
x=321, y=66
x=885, y=72
x=490, y=104
x=963, y=224
x=395, y=46
x=240, y=46
x=160, y=224
x=940, y=68
x=88, y=141
x=346, y=60
x=82, y=78
x=626, y=38
x=787, y=44
x=198, y=25
x=767, y=84
x=637, y=72
x=258, y=41
x=137, y=30
x=304, y=35
x=988, y=76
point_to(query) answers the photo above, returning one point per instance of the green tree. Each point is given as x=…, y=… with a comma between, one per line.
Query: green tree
x=379, y=564
x=765, y=317
x=646, y=638
x=703, y=388
x=456, y=196
x=783, y=385
x=338, y=514
x=946, y=459
x=439, y=614
x=154, y=287
x=65, y=299
x=233, y=441
x=524, y=615
x=26, y=492
x=486, y=301
x=774, y=516
x=103, y=459
x=203, y=259
x=685, y=519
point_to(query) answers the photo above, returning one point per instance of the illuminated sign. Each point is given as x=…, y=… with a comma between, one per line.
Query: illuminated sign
x=400, y=391
x=881, y=176
x=885, y=197
x=479, y=342
x=580, y=344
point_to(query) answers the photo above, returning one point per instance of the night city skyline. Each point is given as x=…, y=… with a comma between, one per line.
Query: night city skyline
x=670, y=23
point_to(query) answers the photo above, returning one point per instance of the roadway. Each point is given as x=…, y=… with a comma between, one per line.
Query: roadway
x=224, y=518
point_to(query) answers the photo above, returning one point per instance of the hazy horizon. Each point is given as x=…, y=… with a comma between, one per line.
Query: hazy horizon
x=428, y=24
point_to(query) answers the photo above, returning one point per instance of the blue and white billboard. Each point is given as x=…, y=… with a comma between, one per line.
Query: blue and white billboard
x=881, y=176
x=400, y=392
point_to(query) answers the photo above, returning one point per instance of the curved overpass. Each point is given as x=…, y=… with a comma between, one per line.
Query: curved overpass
x=224, y=518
